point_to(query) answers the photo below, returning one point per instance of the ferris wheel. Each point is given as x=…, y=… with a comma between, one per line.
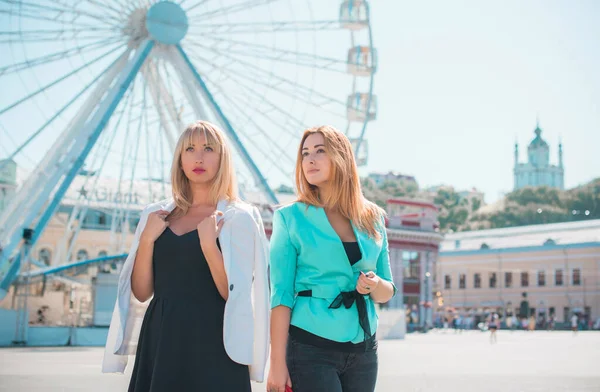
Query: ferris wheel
x=102, y=89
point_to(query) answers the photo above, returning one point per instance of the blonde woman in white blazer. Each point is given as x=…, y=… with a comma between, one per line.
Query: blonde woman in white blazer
x=193, y=303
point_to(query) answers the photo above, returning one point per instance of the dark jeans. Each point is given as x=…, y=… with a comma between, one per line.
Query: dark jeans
x=315, y=369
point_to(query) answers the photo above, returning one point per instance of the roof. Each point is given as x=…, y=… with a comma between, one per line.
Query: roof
x=524, y=236
x=538, y=141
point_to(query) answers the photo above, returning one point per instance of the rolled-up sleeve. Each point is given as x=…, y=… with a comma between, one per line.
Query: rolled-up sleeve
x=384, y=270
x=283, y=257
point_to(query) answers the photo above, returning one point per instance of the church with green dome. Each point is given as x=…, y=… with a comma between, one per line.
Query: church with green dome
x=538, y=171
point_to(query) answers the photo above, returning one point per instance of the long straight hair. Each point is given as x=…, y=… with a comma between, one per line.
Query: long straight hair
x=346, y=192
x=224, y=185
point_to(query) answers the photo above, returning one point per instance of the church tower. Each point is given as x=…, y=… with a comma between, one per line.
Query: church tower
x=538, y=171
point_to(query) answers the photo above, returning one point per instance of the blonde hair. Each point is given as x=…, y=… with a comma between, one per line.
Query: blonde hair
x=345, y=183
x=224, y=185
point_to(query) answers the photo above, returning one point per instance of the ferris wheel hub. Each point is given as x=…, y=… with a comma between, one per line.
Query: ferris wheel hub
x=166, y=23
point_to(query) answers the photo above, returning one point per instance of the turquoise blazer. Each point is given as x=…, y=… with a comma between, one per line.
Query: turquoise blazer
x=307, y=254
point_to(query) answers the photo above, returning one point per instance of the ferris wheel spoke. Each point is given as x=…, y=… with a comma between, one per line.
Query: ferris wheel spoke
x=269, y=74
x=52, y=32
x=276, y=87
x=14, y=143
x=176, y=115
x=105, y=6
x=146, y=128
x=250, y=93
x=232, y=9
x=59, y=112
x=55, y=33
x=249, y=139
x=60, y=79
x=195, y=5
x=36, y=40
x=163, y=100
x=33, y=7
x=264, y=27
x=265, y=49
x=57, y=21
x=249, y=97
x=52, y=57
x=248, y=117
x=326, y=66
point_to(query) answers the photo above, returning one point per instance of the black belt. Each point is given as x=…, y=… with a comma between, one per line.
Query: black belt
x=347, y=298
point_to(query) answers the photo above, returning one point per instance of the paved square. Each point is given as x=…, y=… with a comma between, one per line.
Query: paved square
x=437, y=361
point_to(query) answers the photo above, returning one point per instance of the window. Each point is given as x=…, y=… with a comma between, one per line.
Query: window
x=447, y=281
x=549, y=242
x=508, y=279
x=558, y=277
x=576, y=277
x=493, y=280
x=82, y=255
x=411, y=264
x=102, y=253
x=484, y=246
x=45, y=256
x=462, y=281
x=524, y=279
x=541, y=278
x=477, y=281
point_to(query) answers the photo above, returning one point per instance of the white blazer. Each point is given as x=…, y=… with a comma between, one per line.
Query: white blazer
x=245, y=254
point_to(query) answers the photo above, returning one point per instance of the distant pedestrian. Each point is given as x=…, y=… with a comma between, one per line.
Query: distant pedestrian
x=493, y=322
x=574, y=323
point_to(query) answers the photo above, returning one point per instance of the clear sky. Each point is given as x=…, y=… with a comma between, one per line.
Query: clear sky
x=458, y=82
x=461, y=80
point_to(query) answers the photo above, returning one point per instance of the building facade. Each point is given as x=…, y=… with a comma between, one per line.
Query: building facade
x=556, y=265
x=382, y=178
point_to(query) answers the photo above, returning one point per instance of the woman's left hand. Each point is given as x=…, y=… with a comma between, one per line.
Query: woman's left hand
x=367, y=283
x=209, y=229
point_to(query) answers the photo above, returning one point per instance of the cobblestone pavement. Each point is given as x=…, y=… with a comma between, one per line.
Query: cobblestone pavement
x=437, y=361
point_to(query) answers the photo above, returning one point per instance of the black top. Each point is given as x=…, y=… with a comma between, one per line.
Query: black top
x=352, y=251
x=180, y=347
x=301, y=335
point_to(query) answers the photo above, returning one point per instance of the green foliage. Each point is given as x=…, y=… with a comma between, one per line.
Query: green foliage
x=285, y=189
x=539, y=205
x=527, y=206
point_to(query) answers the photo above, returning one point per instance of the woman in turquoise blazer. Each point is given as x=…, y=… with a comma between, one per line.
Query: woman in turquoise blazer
x=329, y=265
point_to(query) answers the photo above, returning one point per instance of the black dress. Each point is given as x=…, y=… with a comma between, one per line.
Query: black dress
x=181, y=340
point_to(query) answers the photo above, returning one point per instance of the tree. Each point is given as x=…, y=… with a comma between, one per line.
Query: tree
x=476, y=205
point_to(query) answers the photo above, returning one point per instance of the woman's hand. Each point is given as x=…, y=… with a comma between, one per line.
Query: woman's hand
x=155, y=226
x=367, y=283
x=209, y=229
x=278, y=377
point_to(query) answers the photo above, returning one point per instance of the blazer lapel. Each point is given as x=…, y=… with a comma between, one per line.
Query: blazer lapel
x=224, y=236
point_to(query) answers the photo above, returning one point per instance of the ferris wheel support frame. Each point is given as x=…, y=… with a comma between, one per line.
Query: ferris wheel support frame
x=88, y=134
x=21, y=204
x=161, y=97
x=179, y=56
x=364, y=127
x=185, y=75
